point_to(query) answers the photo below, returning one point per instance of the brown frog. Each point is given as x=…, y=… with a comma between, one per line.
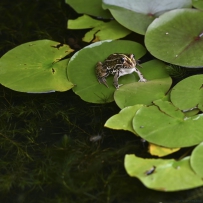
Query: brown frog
x=117, y=65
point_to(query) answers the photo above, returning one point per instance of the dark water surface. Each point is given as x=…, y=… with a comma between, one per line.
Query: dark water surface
x=47, y=147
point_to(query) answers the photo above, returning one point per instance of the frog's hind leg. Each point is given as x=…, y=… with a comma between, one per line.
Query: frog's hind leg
x=101, y=74
x=103, y=81
x=115, y=80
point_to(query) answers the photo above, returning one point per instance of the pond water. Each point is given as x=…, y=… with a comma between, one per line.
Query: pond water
x=54, y=147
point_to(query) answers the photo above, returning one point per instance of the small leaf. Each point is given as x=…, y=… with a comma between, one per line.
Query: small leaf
x=81, y=69
x=168, y=174
x=187, y=94
x=101, y=30
x=160, y=151
x=197, y=160
x=36, y=67
x=123, y=120
x=91, y=7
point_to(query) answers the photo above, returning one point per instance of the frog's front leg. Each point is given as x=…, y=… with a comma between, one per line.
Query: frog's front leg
x=142, y=79
x=115, y=80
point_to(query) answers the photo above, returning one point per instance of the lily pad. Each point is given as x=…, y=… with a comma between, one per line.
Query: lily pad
x=141, y=13
x=179, y=174
x=91, y=7
x=197, y=160
x=198, y=4
x=81, y=69
x=176, y=37
x=165, y=125
x=156, y=87
x=36, y=67
x=123, y=120
x=160, y=151
x=101, y=30
x=188, y=93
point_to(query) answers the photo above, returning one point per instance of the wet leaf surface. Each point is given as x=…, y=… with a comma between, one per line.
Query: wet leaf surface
x=142, y=13
x=166, y=41
x=101, y=30
x=36, y=67
x=167, y=126
x=163, y=174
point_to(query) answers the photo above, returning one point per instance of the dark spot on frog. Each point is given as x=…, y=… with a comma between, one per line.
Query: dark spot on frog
x=53, y=71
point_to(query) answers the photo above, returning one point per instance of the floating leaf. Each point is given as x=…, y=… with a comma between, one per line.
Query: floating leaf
x=91, y=7
x=160, y=151
x=197, y=160
x=187, y=94
x=123, y=120
x=168, y=174
x=81, y=69
x=191, y=112
x=141, y=13
x=101, y=30
x=166, y=41
x=166, y=126
x=198, y=4
x=156, y=87
x=36, y=67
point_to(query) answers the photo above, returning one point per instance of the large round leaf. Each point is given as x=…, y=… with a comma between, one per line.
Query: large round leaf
x=188, y=93
x=165, y=125
x=81, y=69
x=156, y=87
x=141, y=13
x=36, y=67
x=197, y=160
x=91, y=7
x=168, y=174
x=176, y=37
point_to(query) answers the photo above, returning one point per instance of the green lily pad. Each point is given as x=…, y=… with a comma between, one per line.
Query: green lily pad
x=91, y=7
x=36, y=67
x=165, y=125
x=198, y=4
x=191, y=112
x=123, y=120
x=175, y=37
x=187, y=94
x=196, y=160
x=81, y=69
x=156, y=87
x=169, y=174
x=141, y=13
x=101, y=30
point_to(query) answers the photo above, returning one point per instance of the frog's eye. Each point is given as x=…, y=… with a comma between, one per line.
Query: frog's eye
x=122, y=60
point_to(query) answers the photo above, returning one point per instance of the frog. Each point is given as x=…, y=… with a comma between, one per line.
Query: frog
x=117, y=64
